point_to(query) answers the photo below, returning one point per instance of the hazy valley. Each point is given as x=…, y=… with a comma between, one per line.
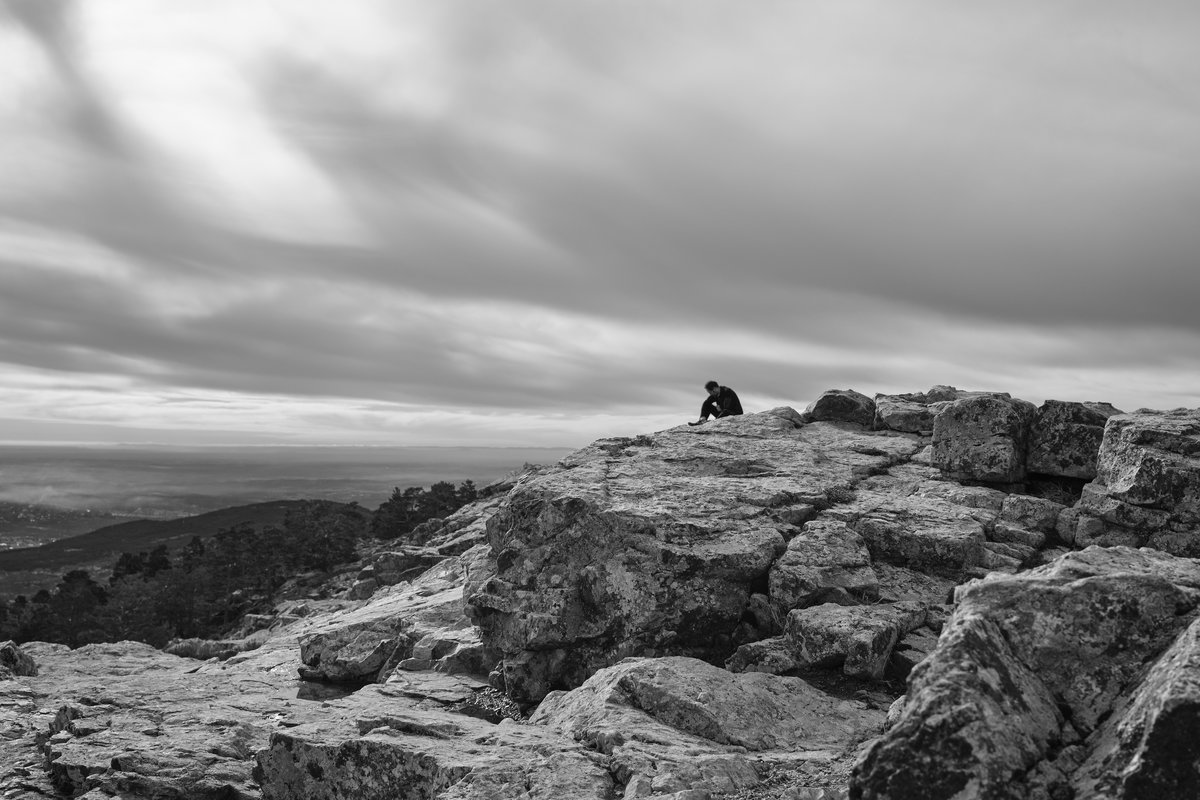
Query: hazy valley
x=50, y=492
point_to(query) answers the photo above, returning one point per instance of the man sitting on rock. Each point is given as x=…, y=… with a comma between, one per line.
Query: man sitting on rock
x=721, y=402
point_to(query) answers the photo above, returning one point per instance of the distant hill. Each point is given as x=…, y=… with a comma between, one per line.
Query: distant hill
x=105, y=545
x=31, y=524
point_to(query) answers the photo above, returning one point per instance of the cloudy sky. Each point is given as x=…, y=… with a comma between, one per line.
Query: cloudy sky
x=544, y=222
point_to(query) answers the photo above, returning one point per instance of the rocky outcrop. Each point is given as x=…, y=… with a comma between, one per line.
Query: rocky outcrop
x=1065, y=438
x=825, y=562
x=1040, y=673
x=676, y=724
x=821, y=561
x=1147, y=486
x=421, y=625
x=910, y=413
x=983, y=439
x=127, y=720
x=842, y=405
x=655, y=545
x=914, y=412
x=859, y=639
x=377, y=742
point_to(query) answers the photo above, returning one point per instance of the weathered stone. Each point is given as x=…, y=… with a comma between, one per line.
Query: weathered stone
x=909, y=413
x=986, y=503
x=1023, y=554
x=773, y=655
x=983, y=439
x=995, y=561
x=1147, y=486
x=825, y=562
x=1148, y=748
x=1031, y=513
x=402, y=563
x=857, y=638
x=355, y=653
x=15, y=661
x=842, y=405
x=1065, y=438
x=1005, y=532
x=679, y=724
x=1028, y=667
x=902, y=583
x=913, y=648
x=131, y=721
x=374, y=744
x=654, y=545
x=915, y=412
x=975, y=718
x=923, y=533
x=948, y=394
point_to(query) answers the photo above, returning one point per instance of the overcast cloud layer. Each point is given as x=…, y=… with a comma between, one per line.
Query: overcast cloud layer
x=544, y=222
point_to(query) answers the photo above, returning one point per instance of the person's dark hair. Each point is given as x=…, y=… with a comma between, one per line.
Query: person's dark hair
x=712, y=385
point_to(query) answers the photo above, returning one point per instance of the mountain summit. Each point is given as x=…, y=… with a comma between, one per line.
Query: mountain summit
x=943, y=594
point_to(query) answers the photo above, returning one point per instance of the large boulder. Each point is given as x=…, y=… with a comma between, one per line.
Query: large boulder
x=842, y=405
x=910, y=413
x=914, y=412
x=656, y=545
x=425, y=620
x=859, y=639
x=930, y=534
x=1065, y=438
x=679, y=724
x=356, y=653
x=1147, y=486
x=1028, y=672
x=983, y=439
x=825, y=562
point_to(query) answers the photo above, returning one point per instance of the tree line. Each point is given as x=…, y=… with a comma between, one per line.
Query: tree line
x=205, y=587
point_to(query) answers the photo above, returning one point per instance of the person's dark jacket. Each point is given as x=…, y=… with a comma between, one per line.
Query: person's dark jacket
x=725, y=404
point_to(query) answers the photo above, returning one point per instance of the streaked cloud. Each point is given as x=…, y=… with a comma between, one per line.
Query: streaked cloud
x=546, y=222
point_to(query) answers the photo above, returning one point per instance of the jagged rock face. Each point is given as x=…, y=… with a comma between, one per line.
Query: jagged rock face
x=1066, y=437
x=1038, y=673
x=1147, y=487
x=842, y=405
x=655, y=545
x=983, y=439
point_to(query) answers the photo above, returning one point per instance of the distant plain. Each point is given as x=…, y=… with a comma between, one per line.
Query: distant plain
x=51, y=491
